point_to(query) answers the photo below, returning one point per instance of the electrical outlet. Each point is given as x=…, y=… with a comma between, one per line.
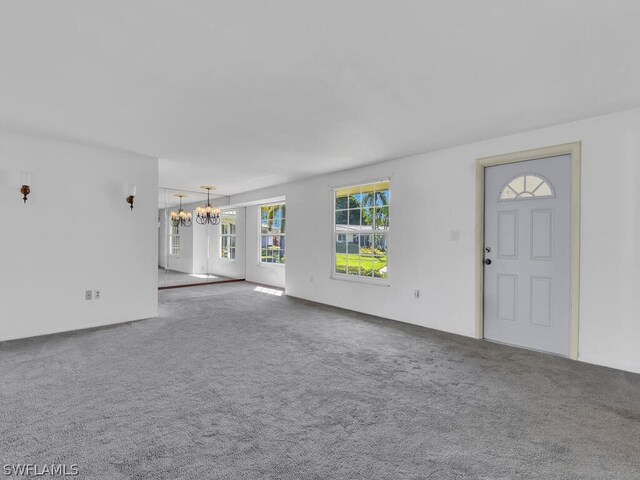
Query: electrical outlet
x=96, y=294
x=88, y=295
x=416, y=293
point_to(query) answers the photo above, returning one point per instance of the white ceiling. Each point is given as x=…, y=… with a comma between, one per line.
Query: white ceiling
x=169, y=197
x=244, y=94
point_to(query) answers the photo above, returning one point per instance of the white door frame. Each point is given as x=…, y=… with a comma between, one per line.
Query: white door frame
x=572, y=149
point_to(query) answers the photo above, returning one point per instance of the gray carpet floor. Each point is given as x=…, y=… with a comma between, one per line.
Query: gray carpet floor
x=231, y=383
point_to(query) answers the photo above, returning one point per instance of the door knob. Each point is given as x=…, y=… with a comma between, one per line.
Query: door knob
x=487, y=261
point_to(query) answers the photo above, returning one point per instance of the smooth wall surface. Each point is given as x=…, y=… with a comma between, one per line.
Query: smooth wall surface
x=75, y=233
x=433, y=195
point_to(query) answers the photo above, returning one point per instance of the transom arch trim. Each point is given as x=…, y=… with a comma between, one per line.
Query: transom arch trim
x=527, y=186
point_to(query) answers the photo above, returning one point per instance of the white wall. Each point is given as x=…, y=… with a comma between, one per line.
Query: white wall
x=256, y=271
x=434, y=193
x=75, y=233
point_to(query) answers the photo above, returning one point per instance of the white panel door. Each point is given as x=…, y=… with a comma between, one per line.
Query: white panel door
x=527, y=254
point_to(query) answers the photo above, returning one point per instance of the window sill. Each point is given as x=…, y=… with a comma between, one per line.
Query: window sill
x=277, y=265
x=379, y=282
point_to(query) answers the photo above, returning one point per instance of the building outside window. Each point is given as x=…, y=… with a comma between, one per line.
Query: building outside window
x=361, y=231
x=272, y=234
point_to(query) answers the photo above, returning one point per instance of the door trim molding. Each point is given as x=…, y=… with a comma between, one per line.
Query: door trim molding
x=573, y=149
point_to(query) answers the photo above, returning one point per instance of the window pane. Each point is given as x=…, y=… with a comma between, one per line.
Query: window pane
x=382, y=198
x=354, y=217
x=341, y=243
x=353, y=265
x=341, y=218
x=264, y=251
x=508, y=193
x=366, y=242
x=353, y=244
x=380, y=256
x=355, y=200
x=368, y=215
x=232, y=254
x=232, y=240
x=341, y=201
x=368, y=199
x=517, y=184
x=232, y=228
x=366, y=255
x=341, y=263
x=382, y=217
x=544, y=190
x=531, y=182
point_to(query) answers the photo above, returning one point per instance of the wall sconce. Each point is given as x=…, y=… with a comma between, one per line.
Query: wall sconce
x=132, y=193
x=25, y=190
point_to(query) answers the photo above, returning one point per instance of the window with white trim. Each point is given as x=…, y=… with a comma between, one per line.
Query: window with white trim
x=361, y=230
x=174, y=240
x=228, y=234
x=272, y=233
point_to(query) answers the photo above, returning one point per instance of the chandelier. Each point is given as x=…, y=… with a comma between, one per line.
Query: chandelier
x=208, y=214
x=181, y=218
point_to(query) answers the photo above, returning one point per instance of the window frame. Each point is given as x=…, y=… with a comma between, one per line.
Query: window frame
x=229, y=235
x=170, y=244
x=260, y=262
x=381, y=282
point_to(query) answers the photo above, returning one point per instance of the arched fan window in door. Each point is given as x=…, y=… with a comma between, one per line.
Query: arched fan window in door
x=526, y=187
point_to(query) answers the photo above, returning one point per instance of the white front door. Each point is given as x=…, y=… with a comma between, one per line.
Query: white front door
x=527, y=253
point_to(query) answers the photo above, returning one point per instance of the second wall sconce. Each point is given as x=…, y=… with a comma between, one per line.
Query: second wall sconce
x=25, y=190
x=132, y=194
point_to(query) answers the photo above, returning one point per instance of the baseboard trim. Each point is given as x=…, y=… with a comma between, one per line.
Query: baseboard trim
x=202, y=284
x=71, y=330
